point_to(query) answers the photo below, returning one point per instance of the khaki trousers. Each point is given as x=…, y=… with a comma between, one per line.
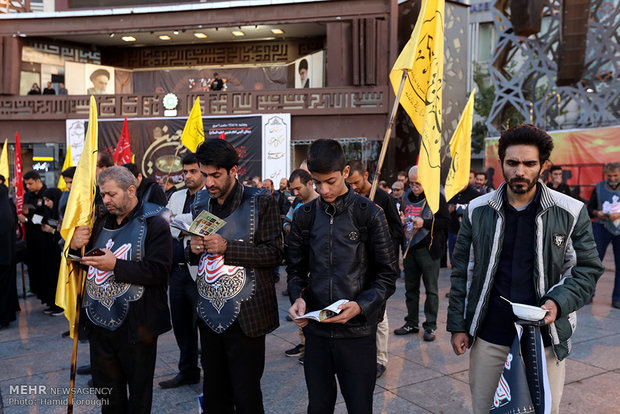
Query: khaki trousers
x=383, y=330
x=486, y=361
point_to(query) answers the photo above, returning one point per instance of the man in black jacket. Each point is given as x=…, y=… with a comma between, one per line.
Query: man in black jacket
x=339, y=248
x=125, y=298
x=425, y=242
x=358, y=179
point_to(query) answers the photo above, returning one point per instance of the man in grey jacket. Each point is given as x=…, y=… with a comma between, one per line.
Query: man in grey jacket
x=531, y=245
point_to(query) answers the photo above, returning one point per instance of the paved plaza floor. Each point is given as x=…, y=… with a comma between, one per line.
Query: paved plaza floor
x=421, y=377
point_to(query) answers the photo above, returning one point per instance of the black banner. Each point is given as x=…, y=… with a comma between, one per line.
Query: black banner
x=154, y=142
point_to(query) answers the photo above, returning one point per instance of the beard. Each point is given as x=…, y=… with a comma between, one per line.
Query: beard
x=521, y=185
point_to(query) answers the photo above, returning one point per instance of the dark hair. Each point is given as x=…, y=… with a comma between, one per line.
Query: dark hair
x=2, y=178
x=99, y=72
x=357, y=166
x=473, y=172
x=303, y=175
x=555, y=168
x=612, y=166
x=325, y=156
x=68, y=173
x=218, y=153
x=303, y=64
x=104, y=159
x=133, y=168
x=526, y=135
x=402, y=173
x=482, y=173
x=32, y=175
x=216, y=74
x=189, y=158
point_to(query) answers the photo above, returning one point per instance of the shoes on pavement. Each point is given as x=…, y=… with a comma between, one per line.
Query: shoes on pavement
x=301, y=360
x=380, y=370
x=285, y=292
x=91, y=383
x=65, y=334
x=616, y=304
x=179, y=380
x=406, y=329
x=296, y=351
x=83, y=370
x=57, y=311
x=48, y=311
x=429, y=335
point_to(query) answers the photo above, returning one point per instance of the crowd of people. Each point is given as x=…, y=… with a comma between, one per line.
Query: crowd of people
x=146, y=277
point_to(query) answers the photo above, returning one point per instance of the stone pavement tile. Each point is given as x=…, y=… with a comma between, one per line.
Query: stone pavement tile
x=602, y=353
x=387, y=403
x=461, y=376
x=437, y=355
x=402, y=372
x=438, y=395
x=175, y=398
x=597, y=394
x=577, y=370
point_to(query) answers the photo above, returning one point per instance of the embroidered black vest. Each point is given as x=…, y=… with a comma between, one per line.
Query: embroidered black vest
x=222, y=288
x=107, y=301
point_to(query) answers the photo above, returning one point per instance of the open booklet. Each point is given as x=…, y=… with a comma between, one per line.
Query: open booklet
x=203, y=225
x=328, y=312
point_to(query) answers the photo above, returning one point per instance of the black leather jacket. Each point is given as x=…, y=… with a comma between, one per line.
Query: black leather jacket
x=346, y=254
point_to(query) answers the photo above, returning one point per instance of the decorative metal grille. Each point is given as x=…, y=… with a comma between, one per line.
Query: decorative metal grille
x=524, y=71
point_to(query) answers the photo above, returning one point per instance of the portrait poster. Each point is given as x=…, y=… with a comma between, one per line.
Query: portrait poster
x=309, y=71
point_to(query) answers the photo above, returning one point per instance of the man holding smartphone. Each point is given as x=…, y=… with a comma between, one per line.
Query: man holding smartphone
x=125, y=295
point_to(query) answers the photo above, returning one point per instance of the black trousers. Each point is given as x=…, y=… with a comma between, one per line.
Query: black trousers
x=183, y=300
x=233, y=364
x=352, y=360
x=116, y=364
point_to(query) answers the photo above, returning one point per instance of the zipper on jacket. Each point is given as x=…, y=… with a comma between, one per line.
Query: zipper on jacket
x=331, y=261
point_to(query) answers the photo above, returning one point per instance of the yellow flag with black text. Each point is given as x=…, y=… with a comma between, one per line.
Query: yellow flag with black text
x=422, y=61
x=193, y=133
x=62, y=185
x=460, y=151
x=79, y=212
x=4, y=163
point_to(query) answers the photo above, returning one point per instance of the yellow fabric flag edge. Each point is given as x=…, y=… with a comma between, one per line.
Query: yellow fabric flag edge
x=458, y=175
x=193, y=132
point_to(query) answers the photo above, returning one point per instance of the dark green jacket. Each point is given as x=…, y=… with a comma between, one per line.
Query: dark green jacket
x=566, y=269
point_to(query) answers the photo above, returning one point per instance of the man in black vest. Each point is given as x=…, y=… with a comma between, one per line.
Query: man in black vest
x=339, y=248
x=125, y=299
x=237, y=303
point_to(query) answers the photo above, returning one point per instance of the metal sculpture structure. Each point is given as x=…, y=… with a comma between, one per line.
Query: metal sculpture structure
x=524, y=71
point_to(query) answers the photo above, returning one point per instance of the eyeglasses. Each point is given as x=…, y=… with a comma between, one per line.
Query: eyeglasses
x=414, y=183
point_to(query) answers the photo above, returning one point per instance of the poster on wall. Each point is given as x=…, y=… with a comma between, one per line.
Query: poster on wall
x=262, y=143
x=309, y=71
x=88, y=79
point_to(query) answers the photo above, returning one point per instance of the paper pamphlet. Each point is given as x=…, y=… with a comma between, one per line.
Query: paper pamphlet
x=203, y=225
x=328, y=312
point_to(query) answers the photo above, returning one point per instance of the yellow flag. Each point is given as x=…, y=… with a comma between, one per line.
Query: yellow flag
x=193, y=133
x=4, y=163
x=79, y=212
x=68, y=163
x=460, y=150
x=422, y=59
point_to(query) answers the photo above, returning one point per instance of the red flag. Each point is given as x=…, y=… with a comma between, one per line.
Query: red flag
x=122, y=154
x=19, y=179
x=222, y=136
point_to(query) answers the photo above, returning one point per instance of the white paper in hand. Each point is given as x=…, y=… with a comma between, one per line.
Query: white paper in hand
x=328, y=312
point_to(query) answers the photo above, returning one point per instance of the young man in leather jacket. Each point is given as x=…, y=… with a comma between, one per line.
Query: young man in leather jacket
x=339, y=248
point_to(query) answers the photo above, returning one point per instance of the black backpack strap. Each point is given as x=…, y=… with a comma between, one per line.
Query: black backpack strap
x=306, y=220
x=361, y=215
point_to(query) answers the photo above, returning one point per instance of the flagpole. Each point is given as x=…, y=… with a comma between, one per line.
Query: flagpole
x=386, y=137
x=76, y=326
x=172, y=165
